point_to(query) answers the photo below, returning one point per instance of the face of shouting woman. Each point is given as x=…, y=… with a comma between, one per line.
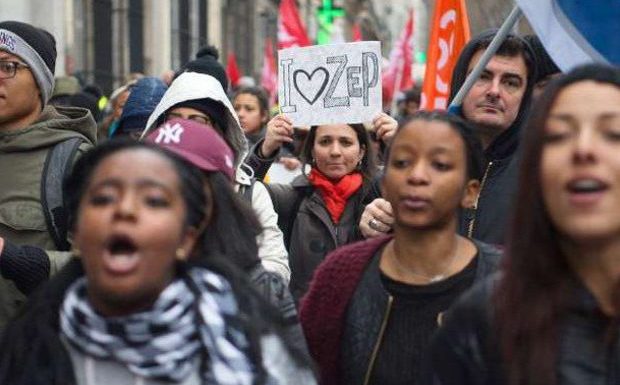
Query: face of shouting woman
x=580, y=166
x=131, y=230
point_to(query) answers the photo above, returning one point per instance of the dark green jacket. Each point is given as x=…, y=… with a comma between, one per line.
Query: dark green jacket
x=22, y=157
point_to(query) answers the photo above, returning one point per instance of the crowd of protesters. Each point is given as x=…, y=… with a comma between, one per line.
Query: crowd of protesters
x=142, y=240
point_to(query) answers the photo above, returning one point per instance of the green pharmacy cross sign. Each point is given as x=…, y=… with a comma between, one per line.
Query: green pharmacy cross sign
x=326, y=14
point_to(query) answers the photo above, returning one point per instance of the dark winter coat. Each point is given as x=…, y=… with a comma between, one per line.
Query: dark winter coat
x=309, y=232
x=343, y=311
x=464, y=352
x=488, y=222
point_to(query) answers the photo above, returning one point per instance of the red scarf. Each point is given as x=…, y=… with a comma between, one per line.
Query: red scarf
x=336, y=194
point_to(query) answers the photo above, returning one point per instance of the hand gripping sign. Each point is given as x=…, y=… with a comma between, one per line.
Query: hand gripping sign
x=326, y=84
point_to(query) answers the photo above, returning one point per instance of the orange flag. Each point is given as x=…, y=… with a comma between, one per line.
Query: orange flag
x=450, y=32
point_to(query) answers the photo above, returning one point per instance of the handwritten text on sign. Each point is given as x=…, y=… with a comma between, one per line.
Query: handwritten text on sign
x=326, y=84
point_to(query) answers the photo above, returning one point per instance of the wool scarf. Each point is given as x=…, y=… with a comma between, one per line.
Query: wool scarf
x=335, y=194
x=162, y=343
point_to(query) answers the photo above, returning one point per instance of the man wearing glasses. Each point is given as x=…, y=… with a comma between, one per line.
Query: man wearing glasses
x=31, y=210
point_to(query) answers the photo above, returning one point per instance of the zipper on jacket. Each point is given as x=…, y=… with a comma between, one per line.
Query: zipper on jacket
x=472, y=221
x=375, y=350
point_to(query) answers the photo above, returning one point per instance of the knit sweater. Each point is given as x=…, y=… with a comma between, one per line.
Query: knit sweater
x=324, y=309
x=333, y=285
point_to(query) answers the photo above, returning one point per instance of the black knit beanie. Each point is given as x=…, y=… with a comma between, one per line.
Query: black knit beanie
x=215, y=110
x=206, y=63
x=36, y=47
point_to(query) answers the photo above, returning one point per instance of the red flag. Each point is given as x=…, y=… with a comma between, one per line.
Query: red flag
x=449, y=33
x=269, y=76
x=291, y=32
x=401, y=60
x=357, y=32
x=232, y=70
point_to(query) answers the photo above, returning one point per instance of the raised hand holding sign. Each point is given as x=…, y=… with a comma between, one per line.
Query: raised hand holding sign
x=330, y=83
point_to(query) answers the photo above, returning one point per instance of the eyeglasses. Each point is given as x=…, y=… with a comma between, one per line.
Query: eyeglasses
x=202, y=119
x=8, y=68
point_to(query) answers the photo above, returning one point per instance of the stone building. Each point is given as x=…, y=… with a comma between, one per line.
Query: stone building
x=103, y=41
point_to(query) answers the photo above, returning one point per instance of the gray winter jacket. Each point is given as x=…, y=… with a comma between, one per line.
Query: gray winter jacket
x=22, y=160
x=308, y=228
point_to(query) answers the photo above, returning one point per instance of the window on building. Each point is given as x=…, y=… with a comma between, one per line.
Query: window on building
x=136, y=36
x=102, y=65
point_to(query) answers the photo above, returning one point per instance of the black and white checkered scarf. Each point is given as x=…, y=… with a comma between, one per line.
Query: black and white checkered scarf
x=162, y=343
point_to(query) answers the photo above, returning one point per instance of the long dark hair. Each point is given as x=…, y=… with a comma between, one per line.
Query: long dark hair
x=533, y=293
x=232, y=230
x=367, y=167
x=33, y=352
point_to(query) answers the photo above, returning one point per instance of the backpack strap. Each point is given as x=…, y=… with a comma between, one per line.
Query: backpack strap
x=58, y=162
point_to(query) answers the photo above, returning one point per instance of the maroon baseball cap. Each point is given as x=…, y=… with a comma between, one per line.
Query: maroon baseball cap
x=197, y=143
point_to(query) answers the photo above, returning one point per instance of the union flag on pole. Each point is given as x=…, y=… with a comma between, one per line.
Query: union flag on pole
x=269, y=76
x=397, y=76
x=575, y=32
x=291, y=31
x=449, y=33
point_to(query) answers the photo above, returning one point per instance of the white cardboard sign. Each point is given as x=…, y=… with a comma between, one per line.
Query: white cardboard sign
x=327, y=84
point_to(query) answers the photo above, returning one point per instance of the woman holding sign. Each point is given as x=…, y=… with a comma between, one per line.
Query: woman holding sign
x=319, y=210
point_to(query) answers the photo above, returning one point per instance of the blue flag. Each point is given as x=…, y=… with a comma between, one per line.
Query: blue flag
x=575, y=31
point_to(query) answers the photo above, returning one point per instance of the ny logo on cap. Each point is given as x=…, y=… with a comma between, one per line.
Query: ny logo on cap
x=169, y=134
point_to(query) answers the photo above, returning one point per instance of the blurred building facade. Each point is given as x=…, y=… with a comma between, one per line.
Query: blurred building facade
x=103, y=41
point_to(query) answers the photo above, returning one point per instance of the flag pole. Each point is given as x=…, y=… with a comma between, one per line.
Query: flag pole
x=499, y=38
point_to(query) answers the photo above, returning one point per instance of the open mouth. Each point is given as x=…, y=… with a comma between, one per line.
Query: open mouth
x=121, y=256
x=584, y=191
x=586, y=186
